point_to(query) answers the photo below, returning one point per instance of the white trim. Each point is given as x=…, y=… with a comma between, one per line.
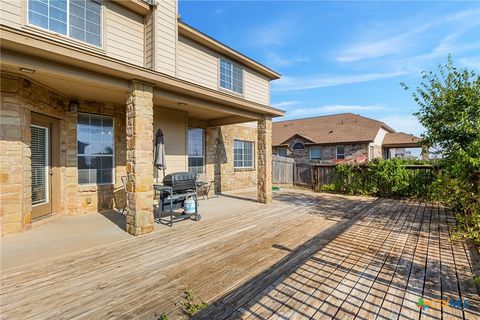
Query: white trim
x=47, y=180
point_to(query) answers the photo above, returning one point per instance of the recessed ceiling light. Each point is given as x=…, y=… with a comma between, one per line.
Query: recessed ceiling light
x=26, y=70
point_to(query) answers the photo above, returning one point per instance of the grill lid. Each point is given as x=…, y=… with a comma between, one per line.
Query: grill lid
x=171, y=178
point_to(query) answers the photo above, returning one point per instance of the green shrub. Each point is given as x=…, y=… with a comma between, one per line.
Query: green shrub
x=382, y=177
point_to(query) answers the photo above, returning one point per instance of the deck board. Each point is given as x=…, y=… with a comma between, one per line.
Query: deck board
x=306, y=256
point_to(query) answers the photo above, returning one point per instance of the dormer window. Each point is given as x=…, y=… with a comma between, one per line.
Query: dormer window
x=231, y=76
x=77, y=19
x=298, y=146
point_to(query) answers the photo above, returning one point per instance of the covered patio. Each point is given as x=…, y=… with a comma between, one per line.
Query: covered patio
x=306, y=256
x=94, y=121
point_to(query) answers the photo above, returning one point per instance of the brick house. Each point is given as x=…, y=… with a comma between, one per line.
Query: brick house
x=342, y=137
x=86, y=84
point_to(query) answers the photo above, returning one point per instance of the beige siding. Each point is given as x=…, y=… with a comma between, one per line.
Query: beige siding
x=11, y=13
x=124, y=38
x=166, y=35
x=149, y=35
x=174, y=126
x=196, y=63
x=257, y=87
x=199, y=65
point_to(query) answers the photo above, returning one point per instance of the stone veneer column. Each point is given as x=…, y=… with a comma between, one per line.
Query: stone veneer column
x=139, y=165
x=264, y=161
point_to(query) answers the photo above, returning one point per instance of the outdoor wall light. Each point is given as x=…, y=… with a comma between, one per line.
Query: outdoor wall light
x=73, y=106
x=26, y=70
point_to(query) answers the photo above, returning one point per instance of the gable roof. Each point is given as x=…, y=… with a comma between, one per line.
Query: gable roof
x=337, y=128
x=400, y=140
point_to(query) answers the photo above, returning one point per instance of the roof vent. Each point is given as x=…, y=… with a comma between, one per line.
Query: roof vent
x=331, y=131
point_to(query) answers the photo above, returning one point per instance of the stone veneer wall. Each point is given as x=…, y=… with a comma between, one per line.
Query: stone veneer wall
x=219, y=156
x=20, y=97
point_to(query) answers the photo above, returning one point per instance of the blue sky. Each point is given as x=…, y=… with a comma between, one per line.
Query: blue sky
x=339, y=56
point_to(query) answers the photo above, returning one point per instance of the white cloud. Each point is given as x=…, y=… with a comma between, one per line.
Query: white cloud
x=404, y=123
x=283, y=104
x=274, y=59
x=275, y=33
x=398, y=41
x=332, y=109
x=305, y=83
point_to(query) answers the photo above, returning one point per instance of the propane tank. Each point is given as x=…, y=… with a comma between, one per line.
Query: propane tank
x=189, y=205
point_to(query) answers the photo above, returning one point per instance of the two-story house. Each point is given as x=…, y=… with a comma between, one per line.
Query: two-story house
x=85, y=84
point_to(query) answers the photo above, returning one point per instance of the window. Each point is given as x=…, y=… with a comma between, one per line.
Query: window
x=315, y=153
x=242, y=154
x=340, y=152
x=78, y=19
x=282, y=152
x=231, y=76
x=298, y=146
x=95, y=149
x=196, y=152
x=372, y=154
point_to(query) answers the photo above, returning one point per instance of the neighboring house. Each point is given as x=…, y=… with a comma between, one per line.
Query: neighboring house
x=342, y=137
x=85, y=86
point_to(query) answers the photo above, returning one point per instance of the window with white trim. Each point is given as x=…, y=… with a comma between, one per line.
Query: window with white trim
x=340, y=152
x=196, y=150
x=78, y=19
x=315, y=153
x=95, y=143
x=231, y=76
x=242, y=154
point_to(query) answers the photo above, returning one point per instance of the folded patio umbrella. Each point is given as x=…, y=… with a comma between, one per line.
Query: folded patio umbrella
x=159, y=154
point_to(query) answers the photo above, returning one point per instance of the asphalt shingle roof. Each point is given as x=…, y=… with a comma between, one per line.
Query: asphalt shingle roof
x=337, y=128
x=400, y=138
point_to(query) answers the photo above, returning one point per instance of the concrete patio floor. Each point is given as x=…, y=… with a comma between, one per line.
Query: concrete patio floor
x=65, y=235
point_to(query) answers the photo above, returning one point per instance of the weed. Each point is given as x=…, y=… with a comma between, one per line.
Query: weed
x=192, y=303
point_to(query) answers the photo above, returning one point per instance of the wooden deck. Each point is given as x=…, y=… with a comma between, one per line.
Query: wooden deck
x=306, y=256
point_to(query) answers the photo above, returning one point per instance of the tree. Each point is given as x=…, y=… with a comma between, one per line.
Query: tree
x=449, y=109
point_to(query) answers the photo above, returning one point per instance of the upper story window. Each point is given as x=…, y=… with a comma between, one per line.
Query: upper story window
x=340, y=152
x=78, y=19
x=282, y=151
x=315, y=153
x=231, y=76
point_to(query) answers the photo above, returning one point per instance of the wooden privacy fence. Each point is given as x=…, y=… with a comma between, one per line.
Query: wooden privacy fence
x=315, y=175
x=282, y=170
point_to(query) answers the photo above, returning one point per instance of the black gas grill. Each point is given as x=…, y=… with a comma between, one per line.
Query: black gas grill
x=177, y=187
x=181, y=182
